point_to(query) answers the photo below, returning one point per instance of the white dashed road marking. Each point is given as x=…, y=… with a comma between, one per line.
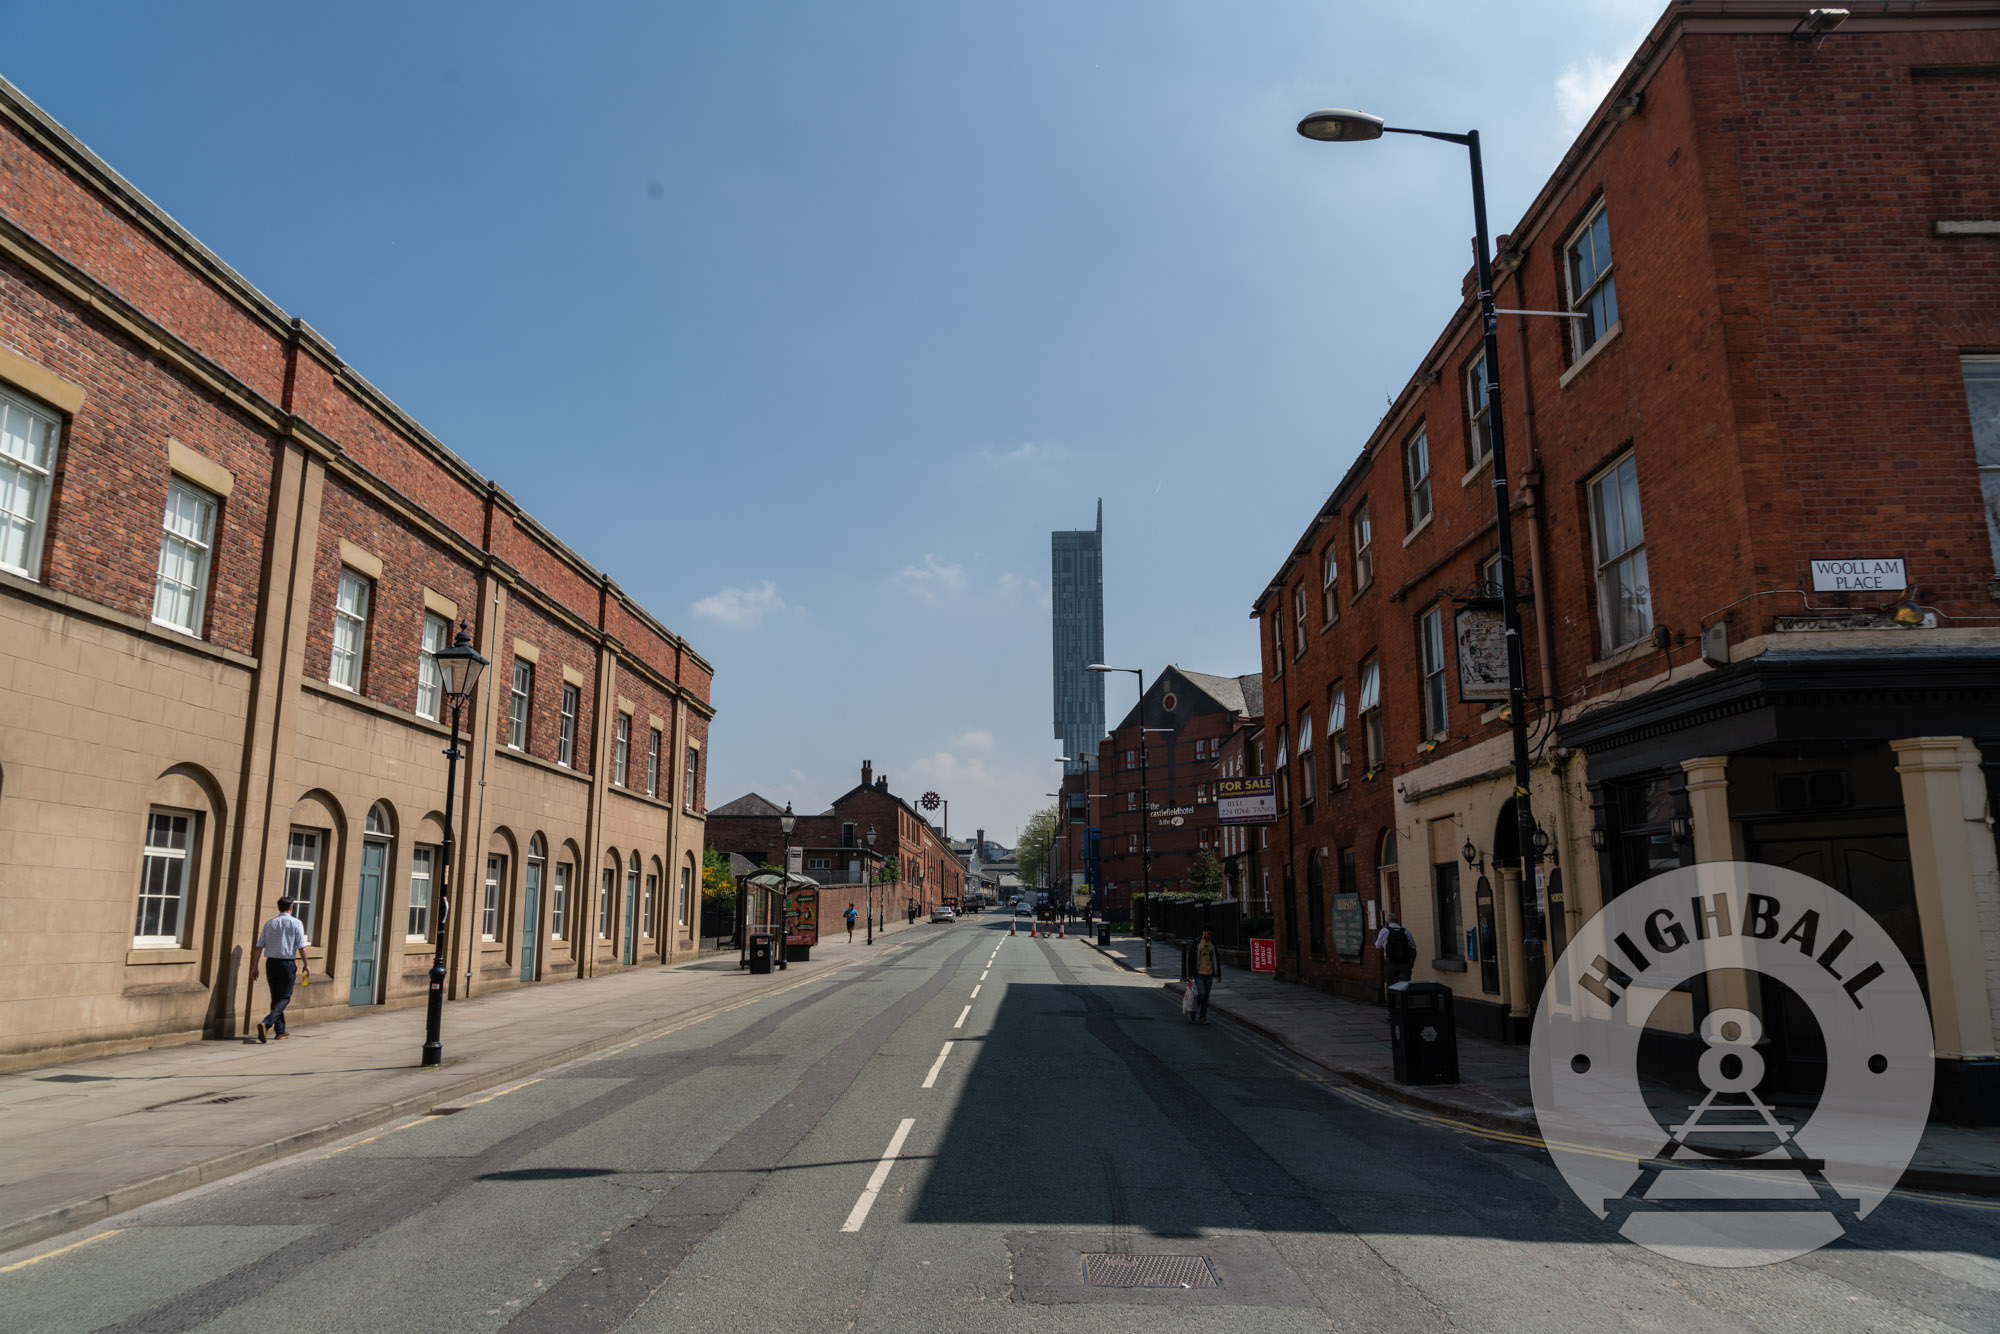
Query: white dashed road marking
x=937, y=1065
x=859, y=1214
x=961, y=1017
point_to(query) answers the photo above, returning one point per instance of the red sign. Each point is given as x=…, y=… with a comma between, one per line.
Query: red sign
x=802, y=918
x=1263, y=956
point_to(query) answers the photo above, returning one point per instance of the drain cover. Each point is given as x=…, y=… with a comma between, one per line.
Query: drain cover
x=1102, y=1270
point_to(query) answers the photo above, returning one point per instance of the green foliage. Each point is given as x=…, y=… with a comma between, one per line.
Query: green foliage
x=716, y=882
x=891, y=872
x=1031, y=849
x=1204, y=876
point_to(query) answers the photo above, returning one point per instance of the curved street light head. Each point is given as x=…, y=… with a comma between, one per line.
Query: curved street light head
x=459, y=665
x=1100, y=667
x=1341, y=127
x=788, y=820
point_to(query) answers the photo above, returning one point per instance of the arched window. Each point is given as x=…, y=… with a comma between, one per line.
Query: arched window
x=649, y=921
x=380, y=824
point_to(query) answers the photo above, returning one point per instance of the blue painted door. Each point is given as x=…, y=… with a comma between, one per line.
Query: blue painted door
x=632, y=921
x=531, y=919
x=368, y=924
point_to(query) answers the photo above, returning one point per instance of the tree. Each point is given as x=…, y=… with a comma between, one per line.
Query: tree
x=1205, y=874
x=891, y=872
x=716, y=881
x=1031, y=849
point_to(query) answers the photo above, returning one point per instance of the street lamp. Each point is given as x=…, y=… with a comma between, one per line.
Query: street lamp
x=1337, y=126
x=459, y=666
x=871, y=889
x=786, y=822
x=1145, y=804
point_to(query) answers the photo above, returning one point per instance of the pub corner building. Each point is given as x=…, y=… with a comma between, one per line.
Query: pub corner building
x=1755, y=481
x=226, y=562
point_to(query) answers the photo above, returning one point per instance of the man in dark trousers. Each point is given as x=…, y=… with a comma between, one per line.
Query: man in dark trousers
x=851, y=915
x=1399, y=951
x=1207, y=967
x=282, y=945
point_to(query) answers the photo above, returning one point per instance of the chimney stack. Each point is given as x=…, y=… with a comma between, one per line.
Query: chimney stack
x=867, y=773
x=882, y=783
x=979, y=844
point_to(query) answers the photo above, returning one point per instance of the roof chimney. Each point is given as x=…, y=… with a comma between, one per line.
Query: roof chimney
x=882, y=783
x=867, y=773
x=980, y=842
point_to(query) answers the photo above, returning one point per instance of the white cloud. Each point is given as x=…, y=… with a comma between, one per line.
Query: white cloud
x=973, y=741
x=1582, y=86
x=1013, y=585
x=1025, y=452
x=743, y=606
x=1000, y=797
x=933, y=579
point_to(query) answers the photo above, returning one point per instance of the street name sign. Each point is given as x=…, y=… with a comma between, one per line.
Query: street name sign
x=1871, y=575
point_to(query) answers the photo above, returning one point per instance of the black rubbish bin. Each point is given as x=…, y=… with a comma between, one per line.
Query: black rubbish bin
x=1422, y=1035
x=1104, y=935
x=760, y=958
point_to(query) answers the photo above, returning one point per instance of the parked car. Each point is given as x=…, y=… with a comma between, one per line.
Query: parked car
x=1021, y=910
x=940, y=914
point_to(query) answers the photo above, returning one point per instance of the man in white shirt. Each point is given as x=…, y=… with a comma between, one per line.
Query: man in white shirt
x=282, y=945
x=1398, y=949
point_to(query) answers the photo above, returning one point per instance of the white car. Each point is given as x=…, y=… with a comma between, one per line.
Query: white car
x=940, y=914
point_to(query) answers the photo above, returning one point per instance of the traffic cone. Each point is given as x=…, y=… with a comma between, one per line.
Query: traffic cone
x=1012, y=930
x=1059, y=930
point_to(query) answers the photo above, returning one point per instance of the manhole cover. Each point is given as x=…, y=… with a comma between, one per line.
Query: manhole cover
x=1103, y=1270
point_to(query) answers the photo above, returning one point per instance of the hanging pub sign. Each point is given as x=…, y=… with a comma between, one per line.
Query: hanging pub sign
x=1482, y=654
x=1252, y=800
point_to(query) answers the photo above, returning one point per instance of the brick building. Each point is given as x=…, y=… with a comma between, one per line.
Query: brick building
x=1787, y=254
x=1188, y=716
x=225, y=560
x=834, y=846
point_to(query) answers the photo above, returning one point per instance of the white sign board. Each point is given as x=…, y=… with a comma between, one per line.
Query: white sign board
x=1482, y=654
x=1859, y=576
x=795, y=860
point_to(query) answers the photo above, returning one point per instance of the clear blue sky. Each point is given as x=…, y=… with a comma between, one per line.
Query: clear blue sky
x=808, y=322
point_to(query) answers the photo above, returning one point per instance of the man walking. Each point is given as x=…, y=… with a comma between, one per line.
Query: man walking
x=282, y=945
x=1207, y=967
x=851, y=915
x=1399, y=951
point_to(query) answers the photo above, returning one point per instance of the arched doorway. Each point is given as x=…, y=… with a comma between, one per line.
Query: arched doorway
x=364, y=986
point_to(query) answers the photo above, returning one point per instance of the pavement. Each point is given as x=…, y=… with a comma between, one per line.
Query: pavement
x=968, y=1132
x=1350, y=1038
x=85, y=1139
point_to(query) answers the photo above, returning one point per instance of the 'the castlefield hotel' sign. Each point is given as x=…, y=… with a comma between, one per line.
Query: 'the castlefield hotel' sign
x=1252, y=800
x=1859, y=576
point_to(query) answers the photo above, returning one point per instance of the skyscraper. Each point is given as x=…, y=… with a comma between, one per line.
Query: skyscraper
x=1076, y=602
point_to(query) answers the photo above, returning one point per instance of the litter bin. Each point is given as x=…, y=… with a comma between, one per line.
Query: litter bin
x=1104, y=935
x=760, y=956
x=1422, y=1035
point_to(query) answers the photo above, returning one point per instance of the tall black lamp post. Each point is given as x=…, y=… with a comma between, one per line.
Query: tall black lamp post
x=1145, y=804
x=871, y=888
x=1353, y=127
x=460, y=666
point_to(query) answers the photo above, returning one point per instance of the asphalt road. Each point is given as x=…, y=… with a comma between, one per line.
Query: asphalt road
x=820, y=1159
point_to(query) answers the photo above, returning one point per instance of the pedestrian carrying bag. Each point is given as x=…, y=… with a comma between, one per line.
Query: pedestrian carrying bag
x=1187, y=998
x=1402, y=949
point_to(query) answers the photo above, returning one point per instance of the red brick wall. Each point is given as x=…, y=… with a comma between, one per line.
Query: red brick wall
x=103, y=537
x=559, y=647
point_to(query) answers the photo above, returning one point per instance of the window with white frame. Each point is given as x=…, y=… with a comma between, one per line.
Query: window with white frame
x=1618, y=538
x=1131, y=842
x=632, y=881
x=1329, y=584
x=418, y=926
x=1370, y=705
x=1364, y=547
x=430, y=677
x=350, y=629
x=606, y=886
x=1417, y=476
x=1982, y=402
x=689, y=779
x=687, y=894
x=1308, y=762
x=1430, y=643
x=1131, y=759
x=1131, y=800
x=621, y=750
x=1299, y=620
x=165, y=880
x=572, y=701
x=1591, y=290
x=1277, y=641
x=559, y=903
x=302, y=874
x=653, y=763
x=652, y=896
x=1336, y=734
x=187, y=533
x=489, y=918
x=1489, y=573
x=1478, y=414
x=518, y=699
x=28, y=439
x=1284, y=769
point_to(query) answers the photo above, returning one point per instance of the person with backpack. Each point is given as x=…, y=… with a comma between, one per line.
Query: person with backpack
x=1399, y=951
